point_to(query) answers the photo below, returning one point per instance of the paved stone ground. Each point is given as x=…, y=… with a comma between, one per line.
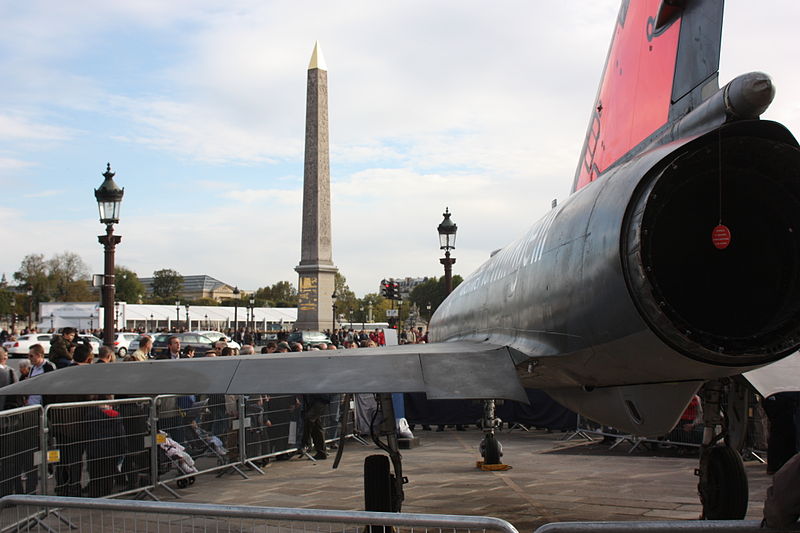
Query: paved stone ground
x=551, y=480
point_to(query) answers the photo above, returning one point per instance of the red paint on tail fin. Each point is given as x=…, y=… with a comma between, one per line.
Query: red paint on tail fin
x=635, y=92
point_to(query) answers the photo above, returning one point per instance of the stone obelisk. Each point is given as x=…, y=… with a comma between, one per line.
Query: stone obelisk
x=316, y=269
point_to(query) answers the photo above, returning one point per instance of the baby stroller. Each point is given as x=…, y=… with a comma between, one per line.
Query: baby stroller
x=207, y=444
x=178, y=457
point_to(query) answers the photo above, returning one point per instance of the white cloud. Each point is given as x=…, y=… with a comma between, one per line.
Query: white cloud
x=44, y=194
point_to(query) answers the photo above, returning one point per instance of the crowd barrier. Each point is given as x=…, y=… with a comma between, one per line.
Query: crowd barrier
x=132, y=445
x=51, y=513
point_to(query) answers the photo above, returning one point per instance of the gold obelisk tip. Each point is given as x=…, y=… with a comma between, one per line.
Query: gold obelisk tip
x=317, y=59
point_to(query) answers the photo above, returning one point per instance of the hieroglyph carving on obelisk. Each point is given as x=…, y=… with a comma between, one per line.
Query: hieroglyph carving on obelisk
x=316, y=269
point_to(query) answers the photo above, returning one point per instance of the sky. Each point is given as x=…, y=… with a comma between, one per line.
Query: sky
x=199, y=106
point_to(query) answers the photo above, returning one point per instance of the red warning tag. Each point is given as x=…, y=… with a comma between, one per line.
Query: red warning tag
x=721, y=237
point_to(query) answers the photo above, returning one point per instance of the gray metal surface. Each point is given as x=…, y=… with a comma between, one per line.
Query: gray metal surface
x=315, y=516
x=685, y=526
x=454, y=370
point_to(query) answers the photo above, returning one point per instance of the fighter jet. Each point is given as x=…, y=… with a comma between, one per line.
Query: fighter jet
x=673, y=263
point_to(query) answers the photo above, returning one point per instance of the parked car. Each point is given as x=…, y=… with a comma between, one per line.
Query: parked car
x=309, y=338
x=201, y=343
x=217, y=336
x=93, y=341
x=122, y=343
x=20, y=347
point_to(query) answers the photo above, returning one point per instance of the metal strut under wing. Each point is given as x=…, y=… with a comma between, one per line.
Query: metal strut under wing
x=448, y=370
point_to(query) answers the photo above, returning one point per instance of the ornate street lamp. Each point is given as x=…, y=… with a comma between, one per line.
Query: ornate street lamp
x=207, y=321
x=188, y=323
x=363, y=318
x=51, y=321
x=334, y=296
x=252, y=313
x=116, y=315
x=29, y=292
x=109, y=200
x=447, y=241
x=177, y=314
x=235, y=311
x=152, y=325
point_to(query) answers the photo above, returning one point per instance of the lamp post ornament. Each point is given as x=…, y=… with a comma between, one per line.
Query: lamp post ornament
x=109, y=199
x=447, y=241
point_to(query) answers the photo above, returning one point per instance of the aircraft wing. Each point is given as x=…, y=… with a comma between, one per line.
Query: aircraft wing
x=448, y=370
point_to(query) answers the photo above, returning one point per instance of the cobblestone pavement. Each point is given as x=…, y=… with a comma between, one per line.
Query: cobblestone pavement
x=550, y=480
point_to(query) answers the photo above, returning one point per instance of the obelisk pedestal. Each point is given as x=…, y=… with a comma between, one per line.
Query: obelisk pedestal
x=316, y=269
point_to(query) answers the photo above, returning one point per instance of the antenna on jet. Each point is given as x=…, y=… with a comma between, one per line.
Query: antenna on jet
x=317, y=59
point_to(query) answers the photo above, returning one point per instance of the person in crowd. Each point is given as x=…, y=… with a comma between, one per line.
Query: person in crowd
x=381, y=338
x=142, y=353
x=226, y=352
x=219, y=345
x=69, y=428
x=247, y=349
x=24, y=369
x=283, y=347
x=105, y=445
x=322, y=346
x=7, y=377
x=782, y=506
x=188, y=352
x=297, y=347
x=62, y=346
x=315, y=406
x=781, y=409
x=271, y=347
x=173, y=349
x=104, y=355
x=39, y=365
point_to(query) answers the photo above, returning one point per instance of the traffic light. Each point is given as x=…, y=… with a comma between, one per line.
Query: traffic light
x=386, y=291
x=395, y=290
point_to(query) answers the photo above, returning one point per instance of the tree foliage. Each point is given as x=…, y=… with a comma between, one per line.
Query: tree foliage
x=63, y=278
x=433, y=293
x=280, y=294
x=68, y=278
x=128, y=287
x=167, y=284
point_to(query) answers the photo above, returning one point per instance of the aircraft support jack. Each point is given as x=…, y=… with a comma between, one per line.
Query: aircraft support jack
x=383, y=491
x=490, y=448
x=723, y=482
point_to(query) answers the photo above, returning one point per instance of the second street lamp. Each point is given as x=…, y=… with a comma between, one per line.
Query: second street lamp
x=252, y=313
x=109, y=200
x=188, y=323
x=235, y=312
x=447, y=241
x=177, y=314
x=333, y=321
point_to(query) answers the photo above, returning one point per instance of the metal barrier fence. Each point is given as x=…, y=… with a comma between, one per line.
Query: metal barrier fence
x=20, y=451
x=50, y=513
x=129, y=446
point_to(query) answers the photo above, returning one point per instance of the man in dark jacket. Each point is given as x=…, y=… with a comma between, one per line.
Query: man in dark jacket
x=61, y=347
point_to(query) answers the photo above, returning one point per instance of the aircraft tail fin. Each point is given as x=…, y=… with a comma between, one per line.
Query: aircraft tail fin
x=662, y=63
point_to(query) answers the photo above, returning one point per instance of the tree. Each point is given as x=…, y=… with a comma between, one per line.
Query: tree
x=433, y=292
x=167, y=284
x=346, y=302
x=32, y=275
x=128, y=287
x=68, y=273
x=280, y=294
